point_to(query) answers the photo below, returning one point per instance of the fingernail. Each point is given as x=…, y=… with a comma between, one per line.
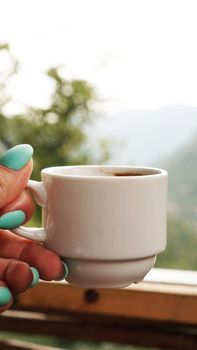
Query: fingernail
x=12, y=219
x=36, y=277
x=65, y=272
x=17, y=157
x=5, y=296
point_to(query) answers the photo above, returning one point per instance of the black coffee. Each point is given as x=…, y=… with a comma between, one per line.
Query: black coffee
x=128, y=174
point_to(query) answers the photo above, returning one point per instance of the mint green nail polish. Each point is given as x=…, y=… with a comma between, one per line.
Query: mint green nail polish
x=36, y=277
x=17, y=157
x=12, y=219
x=5, y=296
x=65, y=273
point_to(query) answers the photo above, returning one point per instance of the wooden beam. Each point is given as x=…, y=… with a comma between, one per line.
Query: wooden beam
x=168, y=304
x=13, y=344
x=102, y=328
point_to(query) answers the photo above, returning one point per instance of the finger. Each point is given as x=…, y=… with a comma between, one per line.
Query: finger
x=23, y=202
x=15, y=170
x=6, y=297
x=48, y=263
x=18, y=275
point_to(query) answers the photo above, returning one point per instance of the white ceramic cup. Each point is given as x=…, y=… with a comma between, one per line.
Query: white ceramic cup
x=108, y=223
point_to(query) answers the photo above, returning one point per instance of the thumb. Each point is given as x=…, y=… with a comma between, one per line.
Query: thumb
x=15, y=170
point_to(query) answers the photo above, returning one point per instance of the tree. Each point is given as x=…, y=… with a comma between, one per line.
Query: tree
x=57, y=133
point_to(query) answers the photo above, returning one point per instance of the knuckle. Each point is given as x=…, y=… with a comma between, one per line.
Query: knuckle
x=5, y=183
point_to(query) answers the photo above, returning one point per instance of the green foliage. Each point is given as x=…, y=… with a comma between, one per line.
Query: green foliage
x=57, y=133
x=4, y=46
x=182, y=168
x=5, y=75
x=181, y=246
x=182, y=215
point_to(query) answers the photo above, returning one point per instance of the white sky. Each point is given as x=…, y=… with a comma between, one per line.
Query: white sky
x=139, y=54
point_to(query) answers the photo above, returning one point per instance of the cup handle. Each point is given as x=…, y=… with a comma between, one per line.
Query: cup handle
x=34, y=233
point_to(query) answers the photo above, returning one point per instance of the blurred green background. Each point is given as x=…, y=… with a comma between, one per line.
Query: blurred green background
x=59, y=136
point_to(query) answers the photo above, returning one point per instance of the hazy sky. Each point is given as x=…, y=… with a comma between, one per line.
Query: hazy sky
x=139, y=54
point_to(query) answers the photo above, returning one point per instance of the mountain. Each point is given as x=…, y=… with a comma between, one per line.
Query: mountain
x=182, y=209
x=165, y=137
x=182, y=169
x=143, y=137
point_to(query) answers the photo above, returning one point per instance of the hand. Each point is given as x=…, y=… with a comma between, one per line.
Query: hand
x=21, y=261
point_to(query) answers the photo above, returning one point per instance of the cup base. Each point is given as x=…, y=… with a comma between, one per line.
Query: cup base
x=107, y=274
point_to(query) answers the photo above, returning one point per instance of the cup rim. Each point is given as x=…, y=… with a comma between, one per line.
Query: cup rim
x=150, y=172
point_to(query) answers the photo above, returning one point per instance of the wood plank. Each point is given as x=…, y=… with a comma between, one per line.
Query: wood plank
x=13, y=344
x=136, y=302
x=102, y=328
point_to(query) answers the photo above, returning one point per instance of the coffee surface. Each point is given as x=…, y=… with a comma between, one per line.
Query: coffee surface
x=128, y=174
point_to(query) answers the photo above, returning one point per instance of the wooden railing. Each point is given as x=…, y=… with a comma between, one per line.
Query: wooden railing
x=161, y=315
